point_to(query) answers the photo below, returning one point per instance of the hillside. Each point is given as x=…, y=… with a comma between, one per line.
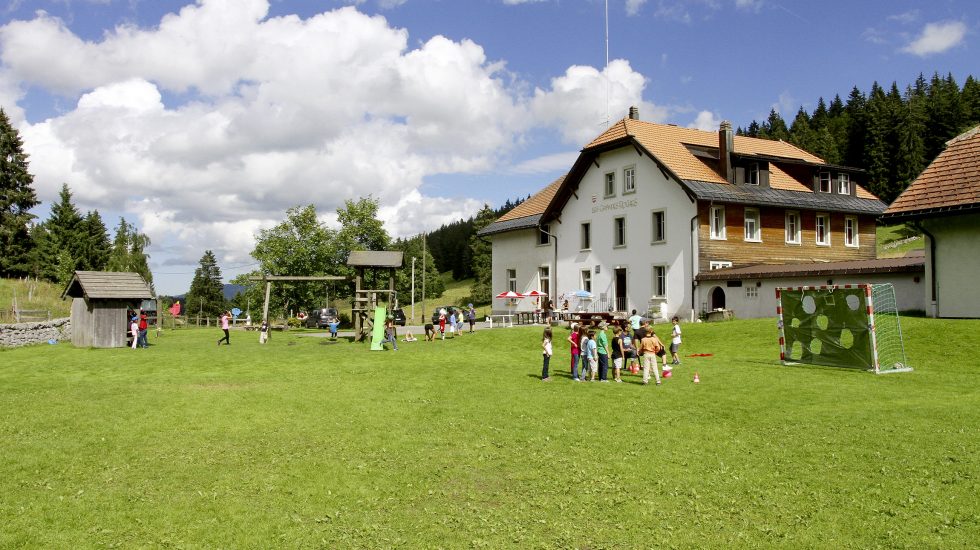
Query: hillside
x=31, y=295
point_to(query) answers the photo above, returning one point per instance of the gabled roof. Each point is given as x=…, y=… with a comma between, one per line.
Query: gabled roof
x=375, y=258
x=673, y=149
x=527, y=214
x=107, y=285
x=949, y=185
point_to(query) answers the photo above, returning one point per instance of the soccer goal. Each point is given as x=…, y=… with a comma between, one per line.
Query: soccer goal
x=851, y=326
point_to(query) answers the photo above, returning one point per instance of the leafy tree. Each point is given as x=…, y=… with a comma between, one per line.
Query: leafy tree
x=361, y=230
x=482, y=258
x=206, y=296
x=300, y=245
x=17, y=197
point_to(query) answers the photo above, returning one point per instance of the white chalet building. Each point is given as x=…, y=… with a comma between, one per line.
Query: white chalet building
x=648, y=208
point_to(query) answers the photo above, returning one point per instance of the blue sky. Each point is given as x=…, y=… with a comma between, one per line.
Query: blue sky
x=203, y=121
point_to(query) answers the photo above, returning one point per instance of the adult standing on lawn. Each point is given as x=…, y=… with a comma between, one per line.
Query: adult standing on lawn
x=602, y=349
x=225, y=318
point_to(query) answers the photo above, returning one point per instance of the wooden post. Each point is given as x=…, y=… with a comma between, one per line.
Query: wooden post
x=265, y=307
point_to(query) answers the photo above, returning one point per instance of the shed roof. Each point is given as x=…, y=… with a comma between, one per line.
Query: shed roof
x=376, y=258
x=111, y=285
x=950, y=184
x=906, y=264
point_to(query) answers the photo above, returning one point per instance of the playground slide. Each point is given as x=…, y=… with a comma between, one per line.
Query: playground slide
x=378, y=331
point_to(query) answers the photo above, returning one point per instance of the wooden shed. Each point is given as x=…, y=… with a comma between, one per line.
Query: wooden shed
x=100, y=300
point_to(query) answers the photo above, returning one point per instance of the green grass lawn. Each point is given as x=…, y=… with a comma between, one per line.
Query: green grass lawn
x=456, y=443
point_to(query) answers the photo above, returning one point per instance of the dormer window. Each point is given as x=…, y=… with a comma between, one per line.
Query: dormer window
x=825, y=182
x=755, y=175
x=843, y=184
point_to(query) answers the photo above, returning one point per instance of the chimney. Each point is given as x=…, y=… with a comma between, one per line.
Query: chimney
x=726, y=146
x=634, y=113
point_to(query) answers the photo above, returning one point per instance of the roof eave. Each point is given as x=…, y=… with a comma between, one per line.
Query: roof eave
x=925, y=213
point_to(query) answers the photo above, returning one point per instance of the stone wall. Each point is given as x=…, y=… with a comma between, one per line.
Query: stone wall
x=38, y=332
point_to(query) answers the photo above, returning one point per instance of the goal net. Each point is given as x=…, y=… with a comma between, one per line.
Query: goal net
x=850, y=326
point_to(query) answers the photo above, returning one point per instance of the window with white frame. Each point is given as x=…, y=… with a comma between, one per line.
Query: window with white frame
x=586, y=241
x=752, y=291
x=544, y=279
x=850, y=231
x=611, y=184
x=824, y=182
x=660, y=281
x=659, y=227
x=717, y=219
x=843, y=184
x=619, y=232
x=754, y=173
x=543, y=237
x=822, y=230
x=717, y=264
x=629, y=179
x=753, y=229
x=512, y=280
x=793, y=227
x=587, y=280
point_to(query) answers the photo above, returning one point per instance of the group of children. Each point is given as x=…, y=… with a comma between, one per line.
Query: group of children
x=453, y=320
x=591, y=350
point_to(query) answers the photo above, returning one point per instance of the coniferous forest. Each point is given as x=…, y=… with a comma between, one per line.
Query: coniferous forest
x=893, y=134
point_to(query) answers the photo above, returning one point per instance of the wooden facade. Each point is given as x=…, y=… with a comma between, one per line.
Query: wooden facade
x=100, y=301
x=773, y=248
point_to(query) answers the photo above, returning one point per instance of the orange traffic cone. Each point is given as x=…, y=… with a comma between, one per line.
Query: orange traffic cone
x=697, y=379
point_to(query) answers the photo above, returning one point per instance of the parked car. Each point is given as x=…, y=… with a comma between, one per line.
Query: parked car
x=321, y=318
x=399, y=316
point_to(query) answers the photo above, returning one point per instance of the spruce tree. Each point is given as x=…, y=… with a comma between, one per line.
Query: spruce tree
x=481, y=257
x=17, y=197
x=911, y=151
x=206, y=296
x=59, y=242
x=970, y=99
x=129, y=251
x=800, y=133
x=876, y=151
x=96, y=245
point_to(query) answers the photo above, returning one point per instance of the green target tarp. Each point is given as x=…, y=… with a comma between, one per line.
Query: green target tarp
x=826, y=326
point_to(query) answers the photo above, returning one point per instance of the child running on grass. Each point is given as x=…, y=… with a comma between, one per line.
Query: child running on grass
x=546, y=353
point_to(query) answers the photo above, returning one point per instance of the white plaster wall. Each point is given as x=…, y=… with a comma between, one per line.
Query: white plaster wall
x=957, y=262
x=653, y=192
x=518, y=250
x=908, y=293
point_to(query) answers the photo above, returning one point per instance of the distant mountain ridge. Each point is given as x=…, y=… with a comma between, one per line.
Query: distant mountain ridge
x=229, y=291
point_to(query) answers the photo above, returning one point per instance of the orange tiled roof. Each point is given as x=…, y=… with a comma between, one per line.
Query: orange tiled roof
x=951, y=180
x=667, y=142
x=536, y=204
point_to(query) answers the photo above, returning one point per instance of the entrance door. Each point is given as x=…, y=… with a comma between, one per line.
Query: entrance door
x=718, y=298
x=620, y=304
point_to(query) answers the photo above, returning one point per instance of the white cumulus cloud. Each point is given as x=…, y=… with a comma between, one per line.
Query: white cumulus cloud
x=937, y=38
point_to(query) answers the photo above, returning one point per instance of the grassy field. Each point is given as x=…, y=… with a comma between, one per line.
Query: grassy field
x=890, y=243
x=456, y=443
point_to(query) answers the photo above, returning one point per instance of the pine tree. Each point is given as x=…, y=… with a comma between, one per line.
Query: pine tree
x=910, y=157
x=206, y=296
x=17, y=197
x=96, y=245
x=970, y=99
x=856, y=128
x=482, y=256
x=775, y=127
x=800, y=133
x=876, y=153
x=129, y=251
x=59, y=241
